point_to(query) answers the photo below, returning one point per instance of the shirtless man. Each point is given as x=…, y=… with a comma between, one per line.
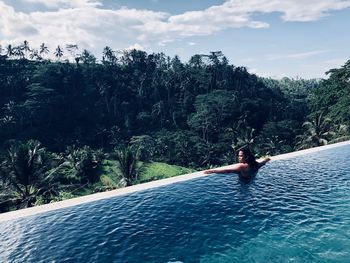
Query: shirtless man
x=246, y=168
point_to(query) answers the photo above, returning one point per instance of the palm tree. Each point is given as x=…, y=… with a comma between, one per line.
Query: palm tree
x=43, y=49
x=79, y=166
x=108, y=55
x=341, y=133
x=18, y=51
x=158, y=112
x=25, y=47
x=243, y=137
x=72, y=49
x=87, y=57
x=34, y=54
x=26, y=169
x=273, y=145
x=10, y=51
x=58, y=52
x=143, y=146
x=127, y=164
x=318, y=132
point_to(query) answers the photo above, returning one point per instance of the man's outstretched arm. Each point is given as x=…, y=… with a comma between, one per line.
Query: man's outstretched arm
x=235, y=168
x=263, y=161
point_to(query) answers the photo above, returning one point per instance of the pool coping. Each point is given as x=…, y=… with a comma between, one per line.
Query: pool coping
x=135, y=188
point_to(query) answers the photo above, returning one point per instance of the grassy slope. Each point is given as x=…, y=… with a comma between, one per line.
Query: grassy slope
x=110, y=178
x=110, y=175
x=155, y=171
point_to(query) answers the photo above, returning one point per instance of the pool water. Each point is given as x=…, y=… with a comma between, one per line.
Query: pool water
x=295, y=210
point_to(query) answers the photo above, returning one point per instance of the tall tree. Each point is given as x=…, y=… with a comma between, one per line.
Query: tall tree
x=27, y=171
x=58, y=52
x=318, y=131
x=10, y=51
x=44, y=50
x=109, y=55
x=26, y=49
x=127, y=160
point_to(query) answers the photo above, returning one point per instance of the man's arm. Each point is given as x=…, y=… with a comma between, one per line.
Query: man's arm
x=263, y=161
x=235, y=168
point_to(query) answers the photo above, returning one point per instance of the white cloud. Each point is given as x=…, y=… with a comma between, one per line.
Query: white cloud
x=291, y=10
x=307, y=54
x=83, y=22
x=236, y=14
x=301, y=55
x=136, y=46
x=87, y=26
x=198, y=23
x=66, y=3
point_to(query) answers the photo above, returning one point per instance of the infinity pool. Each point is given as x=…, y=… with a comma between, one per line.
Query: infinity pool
x=295, y=210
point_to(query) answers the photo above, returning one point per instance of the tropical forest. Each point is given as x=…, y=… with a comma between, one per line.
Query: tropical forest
x=74, y=124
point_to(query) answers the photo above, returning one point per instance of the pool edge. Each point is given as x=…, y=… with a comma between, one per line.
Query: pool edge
x=135, y=188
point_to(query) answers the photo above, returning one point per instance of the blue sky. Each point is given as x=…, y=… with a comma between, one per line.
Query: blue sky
x=272, y=38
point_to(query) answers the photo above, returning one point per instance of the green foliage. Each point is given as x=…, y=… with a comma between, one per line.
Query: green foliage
x=278, y=137
x=213, y=110
x=156, y=170
x=143, y=146
x=243, y=137
x=108, y=182
x=333, y=96
x=63, y=195
x=110, y=167
x=184, y=148
x=127, y=160
x=80, y=165
x=26, y=169
x=135, y=95
x=110, y=176
x=318, y=132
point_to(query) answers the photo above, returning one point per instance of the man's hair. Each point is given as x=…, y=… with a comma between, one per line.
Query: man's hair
x=250, y=158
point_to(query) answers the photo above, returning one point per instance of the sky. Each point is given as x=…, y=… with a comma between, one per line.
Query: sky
x=272, y=38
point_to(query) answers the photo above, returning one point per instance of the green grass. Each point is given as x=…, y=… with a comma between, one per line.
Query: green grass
x=155, y=171
x=110, y=175
x=111, y=178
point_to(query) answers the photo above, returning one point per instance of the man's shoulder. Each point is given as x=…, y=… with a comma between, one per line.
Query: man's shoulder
x=243, y=165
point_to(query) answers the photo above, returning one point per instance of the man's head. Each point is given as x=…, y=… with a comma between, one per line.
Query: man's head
x=241, y=157
x=246, y=156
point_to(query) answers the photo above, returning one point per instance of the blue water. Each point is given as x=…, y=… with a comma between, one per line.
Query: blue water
x=295, y=210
